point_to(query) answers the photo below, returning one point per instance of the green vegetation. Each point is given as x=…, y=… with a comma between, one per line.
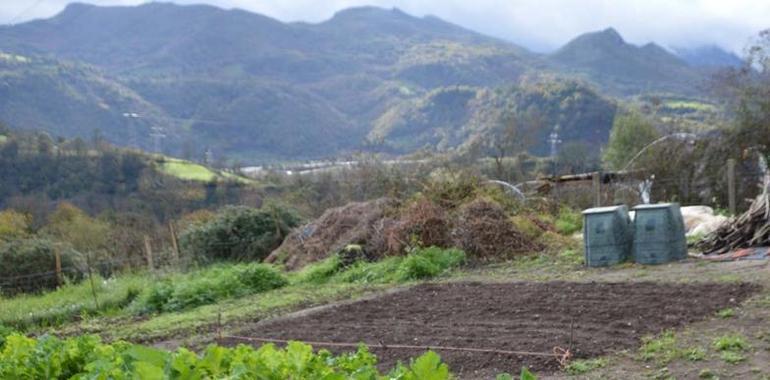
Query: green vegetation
x=86, y=357
x=418, y=264
x=23, y=259
x=239, y=233
x=731, y=348
x=207, y=286
x=187, y=170
x=662, y=349
x=582, y=366
x=69, y=301
x=569, y=221
x=631, y=132
x=726, y=313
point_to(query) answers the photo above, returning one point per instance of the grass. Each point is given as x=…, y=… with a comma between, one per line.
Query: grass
x=665, y=348
x=731, y=348
x=207, y=286
x=187, y=170
x=420, y=264
x=583, y=366
x=69, y=301
x=185, y=303
x=568, y=221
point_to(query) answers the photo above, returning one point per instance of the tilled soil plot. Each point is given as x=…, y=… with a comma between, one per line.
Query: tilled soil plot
x=591, y=318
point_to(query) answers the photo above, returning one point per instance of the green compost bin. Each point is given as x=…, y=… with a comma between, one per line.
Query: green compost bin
x=659, y=235
x=607, y=233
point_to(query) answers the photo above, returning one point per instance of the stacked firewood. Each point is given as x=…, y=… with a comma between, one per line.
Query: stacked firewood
x=750, y=229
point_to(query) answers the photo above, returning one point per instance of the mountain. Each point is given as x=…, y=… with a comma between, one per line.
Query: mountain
x=253, y=88
x=604, y=57
x=709, y=56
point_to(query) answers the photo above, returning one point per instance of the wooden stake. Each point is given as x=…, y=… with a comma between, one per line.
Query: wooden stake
x=174, y=242
x=91, y=280
x=731, y=185
x=148, y=253
x=597, y=186
x=57, y=255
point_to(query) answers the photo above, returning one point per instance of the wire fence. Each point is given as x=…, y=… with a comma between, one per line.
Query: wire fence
x=687, y=190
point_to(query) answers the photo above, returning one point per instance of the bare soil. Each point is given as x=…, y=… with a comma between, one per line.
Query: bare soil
x=592, y=319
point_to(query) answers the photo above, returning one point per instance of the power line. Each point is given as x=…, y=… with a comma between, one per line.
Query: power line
x=31, y=7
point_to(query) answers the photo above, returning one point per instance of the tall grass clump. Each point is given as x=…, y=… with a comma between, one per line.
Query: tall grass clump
x=568, y=221
x=70, y=301
x=418, y=264
x=207, y=286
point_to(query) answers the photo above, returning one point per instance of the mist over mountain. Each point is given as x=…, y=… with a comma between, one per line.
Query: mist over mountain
x=253, y=88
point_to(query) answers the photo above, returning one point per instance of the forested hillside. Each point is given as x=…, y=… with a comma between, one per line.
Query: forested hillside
x=252, y=88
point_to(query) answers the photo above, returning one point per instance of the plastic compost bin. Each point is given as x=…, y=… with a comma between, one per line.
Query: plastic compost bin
x=607, y=233
x=659, y=235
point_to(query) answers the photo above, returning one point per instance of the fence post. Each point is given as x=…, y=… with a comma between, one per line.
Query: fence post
x=174, y=242
x=731, y=185
x=57, y=256
x=597, y=185
x=148, y=253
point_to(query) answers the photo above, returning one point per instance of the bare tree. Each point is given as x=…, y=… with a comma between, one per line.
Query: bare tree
x=514, y=135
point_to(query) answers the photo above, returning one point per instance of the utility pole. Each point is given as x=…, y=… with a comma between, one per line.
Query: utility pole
x=554, y=141
x=133, y=139
x=157, y=135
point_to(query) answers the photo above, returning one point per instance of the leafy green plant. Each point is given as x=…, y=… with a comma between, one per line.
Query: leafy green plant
x=86, y=357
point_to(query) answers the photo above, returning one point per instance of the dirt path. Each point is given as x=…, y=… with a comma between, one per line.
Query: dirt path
x=593, y=318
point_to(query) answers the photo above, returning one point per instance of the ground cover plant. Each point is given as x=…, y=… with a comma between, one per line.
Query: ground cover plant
x=86, y=357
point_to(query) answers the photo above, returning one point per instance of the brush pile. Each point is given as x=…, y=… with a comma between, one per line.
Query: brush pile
x=750, y=229
x=385, y=227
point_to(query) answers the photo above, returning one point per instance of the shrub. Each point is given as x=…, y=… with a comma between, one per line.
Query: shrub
x=208, y=286
x=23, y=259
x=239, y=233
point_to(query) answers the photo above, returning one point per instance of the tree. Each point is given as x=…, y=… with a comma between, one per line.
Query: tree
x=578, y=157
x=630, y=133
x=13, y=225
x=70, y=224
x=514, y=135
x=746, y=91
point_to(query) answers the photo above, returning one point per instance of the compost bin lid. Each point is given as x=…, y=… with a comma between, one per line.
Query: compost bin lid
x=603, y=210
x=655, y=206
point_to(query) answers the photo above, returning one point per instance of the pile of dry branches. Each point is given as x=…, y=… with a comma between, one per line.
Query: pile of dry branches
x=750, y=229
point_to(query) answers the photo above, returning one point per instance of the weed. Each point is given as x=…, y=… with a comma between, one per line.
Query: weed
x=581, y=366
x=568, y=221
x=733, y=342
x=708, y=374
x=732, y=357
x=726, y=313
x=661, y=349
x=694, y=354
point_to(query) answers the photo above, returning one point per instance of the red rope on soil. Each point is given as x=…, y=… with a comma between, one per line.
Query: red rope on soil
x=561, y=355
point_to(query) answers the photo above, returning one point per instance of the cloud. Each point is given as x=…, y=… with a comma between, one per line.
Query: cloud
x=538, y=24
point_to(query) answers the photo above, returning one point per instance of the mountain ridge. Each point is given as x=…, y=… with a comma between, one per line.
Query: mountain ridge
x=253, y=87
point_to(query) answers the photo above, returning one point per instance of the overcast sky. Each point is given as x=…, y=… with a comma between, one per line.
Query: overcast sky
x=540, y=25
